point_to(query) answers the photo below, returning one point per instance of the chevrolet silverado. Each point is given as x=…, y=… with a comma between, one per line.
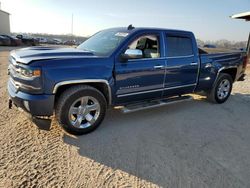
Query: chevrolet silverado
x=134, y=68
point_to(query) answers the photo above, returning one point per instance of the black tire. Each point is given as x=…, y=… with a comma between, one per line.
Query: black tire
x=66, y=100
x=213, y=95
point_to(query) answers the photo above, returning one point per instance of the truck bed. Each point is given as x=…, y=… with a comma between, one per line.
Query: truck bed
x=213, y=63
x=218, y=50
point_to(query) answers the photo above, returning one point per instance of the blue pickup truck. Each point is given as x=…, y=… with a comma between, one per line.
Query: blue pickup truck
x=134, y=68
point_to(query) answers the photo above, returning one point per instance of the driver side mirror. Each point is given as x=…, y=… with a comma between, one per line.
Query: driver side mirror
x=131, y=54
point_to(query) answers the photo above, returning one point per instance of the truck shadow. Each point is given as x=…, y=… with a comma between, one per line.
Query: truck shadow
x=175, y=145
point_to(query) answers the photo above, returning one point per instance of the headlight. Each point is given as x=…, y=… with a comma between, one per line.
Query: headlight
x=29, y=73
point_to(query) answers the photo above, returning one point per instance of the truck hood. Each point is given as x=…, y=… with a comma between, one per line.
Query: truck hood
x=27, y=55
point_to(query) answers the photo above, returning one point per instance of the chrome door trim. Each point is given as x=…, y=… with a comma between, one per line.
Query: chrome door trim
x=146, y=59
x=193, y=63
x=159, y=67
x=85, y=81
x=160, y=58
x=184, y=56
x=155, y=90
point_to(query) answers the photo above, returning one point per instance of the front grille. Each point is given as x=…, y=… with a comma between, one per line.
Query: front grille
x=15, y=84
x=12, y=60
x=19, y=86
x=20, y=83
x=12, y=70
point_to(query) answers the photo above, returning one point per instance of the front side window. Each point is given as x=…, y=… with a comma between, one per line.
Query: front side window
x=148, y=44
x=104, y=42
x=179, y=46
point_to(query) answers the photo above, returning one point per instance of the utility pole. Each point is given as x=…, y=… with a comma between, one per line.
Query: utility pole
x=72, y=19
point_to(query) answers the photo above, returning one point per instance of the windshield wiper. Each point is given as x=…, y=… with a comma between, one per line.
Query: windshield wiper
x=88, y=50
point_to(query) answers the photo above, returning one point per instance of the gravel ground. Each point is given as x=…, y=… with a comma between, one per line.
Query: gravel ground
x=190, y=144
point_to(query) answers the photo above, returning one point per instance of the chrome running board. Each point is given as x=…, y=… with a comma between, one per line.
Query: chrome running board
x=154, y=103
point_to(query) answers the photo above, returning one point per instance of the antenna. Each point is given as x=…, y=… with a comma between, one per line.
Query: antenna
x=130, y=27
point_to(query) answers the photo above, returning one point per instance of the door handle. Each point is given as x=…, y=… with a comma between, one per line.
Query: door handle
x=158, y=67
x=193, y=63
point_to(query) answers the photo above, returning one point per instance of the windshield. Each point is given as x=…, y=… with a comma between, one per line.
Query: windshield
x=104, y=42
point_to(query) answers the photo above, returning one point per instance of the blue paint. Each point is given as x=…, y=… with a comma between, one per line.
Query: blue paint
x=130, y=81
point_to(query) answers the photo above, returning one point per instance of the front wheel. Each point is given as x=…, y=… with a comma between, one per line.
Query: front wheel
x=221, y=89
x=81, y=109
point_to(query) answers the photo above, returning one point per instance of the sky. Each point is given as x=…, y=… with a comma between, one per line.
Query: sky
x=209, y=20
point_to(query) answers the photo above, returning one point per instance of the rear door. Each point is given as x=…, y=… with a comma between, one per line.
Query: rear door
x=182, y=64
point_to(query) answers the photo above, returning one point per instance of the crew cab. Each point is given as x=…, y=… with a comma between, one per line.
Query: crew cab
x=133, y=68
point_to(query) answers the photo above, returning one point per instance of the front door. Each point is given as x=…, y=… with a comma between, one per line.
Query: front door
x=140, y=79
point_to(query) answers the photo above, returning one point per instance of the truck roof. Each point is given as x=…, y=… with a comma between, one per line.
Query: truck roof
x=126, y=29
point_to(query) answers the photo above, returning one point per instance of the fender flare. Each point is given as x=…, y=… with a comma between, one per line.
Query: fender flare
x=225, y=68
x=62, y=83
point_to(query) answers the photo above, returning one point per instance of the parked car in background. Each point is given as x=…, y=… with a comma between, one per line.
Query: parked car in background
x=78, y=43
x=54, y=41
x=13, y=40
x=209, y=46
x=4, y=41
x=50, y=41
x=70, y=42
x=242, y=49
x=28, y=40
x=42, y=40
x=57, y=41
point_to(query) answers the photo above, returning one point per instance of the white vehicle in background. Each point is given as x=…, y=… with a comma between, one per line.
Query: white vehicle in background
x=42, y=40
x=57, y=41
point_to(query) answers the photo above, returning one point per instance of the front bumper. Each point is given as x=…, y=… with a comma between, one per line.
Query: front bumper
x=36, y=105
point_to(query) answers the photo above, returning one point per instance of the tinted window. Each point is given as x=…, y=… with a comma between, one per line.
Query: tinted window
x=179, y=46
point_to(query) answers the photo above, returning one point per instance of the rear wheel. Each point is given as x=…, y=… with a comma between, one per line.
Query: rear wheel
x=221, y=89
x=81, y=109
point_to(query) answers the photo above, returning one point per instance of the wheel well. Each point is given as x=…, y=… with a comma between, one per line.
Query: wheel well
x=231, y=71
x=102, y=87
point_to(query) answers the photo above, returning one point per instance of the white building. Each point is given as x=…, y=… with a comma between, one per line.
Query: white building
x=243, y=15
x=4, y=22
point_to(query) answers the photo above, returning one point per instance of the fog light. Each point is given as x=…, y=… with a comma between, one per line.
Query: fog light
x=26, y=105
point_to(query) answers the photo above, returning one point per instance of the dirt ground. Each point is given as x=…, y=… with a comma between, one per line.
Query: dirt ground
x=189, y=144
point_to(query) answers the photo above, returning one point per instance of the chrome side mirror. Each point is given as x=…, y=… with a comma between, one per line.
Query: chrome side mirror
x=132, y=54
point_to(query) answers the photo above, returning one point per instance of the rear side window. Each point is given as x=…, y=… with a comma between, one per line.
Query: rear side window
x=179, y=46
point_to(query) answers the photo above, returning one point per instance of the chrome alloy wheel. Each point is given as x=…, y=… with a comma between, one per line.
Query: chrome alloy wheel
x=84, y=112
x=223, y=89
